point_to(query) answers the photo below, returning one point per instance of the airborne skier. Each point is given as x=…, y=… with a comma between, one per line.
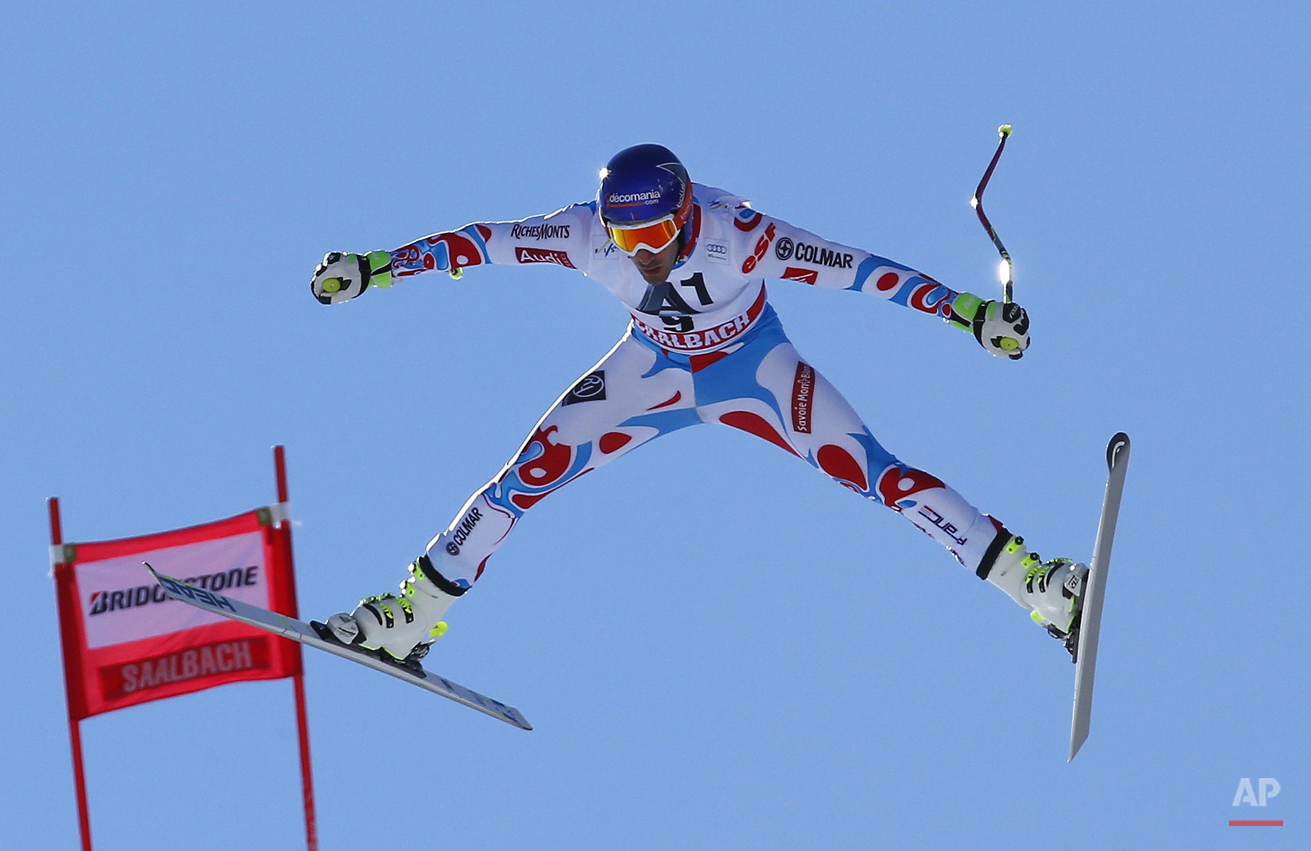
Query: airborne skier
x=704, y=346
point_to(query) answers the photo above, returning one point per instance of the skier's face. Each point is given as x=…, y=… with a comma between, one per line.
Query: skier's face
x=656, y=266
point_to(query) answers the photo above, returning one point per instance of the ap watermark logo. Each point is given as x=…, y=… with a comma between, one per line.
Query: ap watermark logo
x=1255, y=796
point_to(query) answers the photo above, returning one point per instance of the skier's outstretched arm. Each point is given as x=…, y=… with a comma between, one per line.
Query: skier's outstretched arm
x=776, y=249
x=562, y=238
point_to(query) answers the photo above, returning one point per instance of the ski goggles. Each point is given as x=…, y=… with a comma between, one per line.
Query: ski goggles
x=654, y=236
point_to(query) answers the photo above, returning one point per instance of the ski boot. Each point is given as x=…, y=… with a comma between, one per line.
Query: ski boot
x=1052, y=590
x=397, y=628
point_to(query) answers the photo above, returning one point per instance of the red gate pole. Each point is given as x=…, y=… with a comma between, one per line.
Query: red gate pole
x=74, y=728
x=298, y=681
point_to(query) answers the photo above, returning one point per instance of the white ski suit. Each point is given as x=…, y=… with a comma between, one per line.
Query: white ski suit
x=703, y=347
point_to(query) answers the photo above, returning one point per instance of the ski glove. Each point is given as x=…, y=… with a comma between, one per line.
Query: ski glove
x=1001, y=328
x=341, y=277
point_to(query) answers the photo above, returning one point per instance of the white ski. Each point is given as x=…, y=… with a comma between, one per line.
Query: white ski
x=296, y=630
x=1117, y=459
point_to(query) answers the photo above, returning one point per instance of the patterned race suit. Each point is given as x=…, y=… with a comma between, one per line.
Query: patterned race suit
x=703, y=347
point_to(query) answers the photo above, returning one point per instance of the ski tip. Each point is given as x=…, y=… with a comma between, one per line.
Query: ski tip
x=1118, y=445
x=162, y=578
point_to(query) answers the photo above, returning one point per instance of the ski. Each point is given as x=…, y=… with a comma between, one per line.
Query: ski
x=1090, y=618
x=305, y=633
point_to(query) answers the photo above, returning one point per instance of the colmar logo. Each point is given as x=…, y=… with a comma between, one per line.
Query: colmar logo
x=462, y=531
x=804, y=253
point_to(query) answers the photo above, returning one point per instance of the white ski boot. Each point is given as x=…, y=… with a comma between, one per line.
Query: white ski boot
x=402, y=626
x=1052, y=590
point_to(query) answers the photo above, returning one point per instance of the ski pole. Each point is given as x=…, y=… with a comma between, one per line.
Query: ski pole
x=1004, y=269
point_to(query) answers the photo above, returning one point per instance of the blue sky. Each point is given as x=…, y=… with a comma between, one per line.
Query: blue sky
x=718, y=647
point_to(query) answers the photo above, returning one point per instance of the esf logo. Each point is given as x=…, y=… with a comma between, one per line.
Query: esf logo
x=1266, y=788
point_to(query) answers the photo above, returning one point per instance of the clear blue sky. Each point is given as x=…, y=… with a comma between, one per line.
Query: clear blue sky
x=718, y=647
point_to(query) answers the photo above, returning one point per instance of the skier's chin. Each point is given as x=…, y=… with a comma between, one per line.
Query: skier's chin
x=657, y=271
x=656, y=276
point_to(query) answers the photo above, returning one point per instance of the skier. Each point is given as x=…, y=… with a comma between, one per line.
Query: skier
x=704, y=346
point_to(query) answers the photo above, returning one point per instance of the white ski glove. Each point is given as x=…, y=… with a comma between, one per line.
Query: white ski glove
x=341, y=277
x=1001, y=328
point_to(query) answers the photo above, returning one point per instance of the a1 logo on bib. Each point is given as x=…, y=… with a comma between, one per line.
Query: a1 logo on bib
x=590, y=388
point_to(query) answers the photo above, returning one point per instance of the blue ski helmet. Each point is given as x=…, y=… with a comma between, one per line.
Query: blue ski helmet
x=644, y=183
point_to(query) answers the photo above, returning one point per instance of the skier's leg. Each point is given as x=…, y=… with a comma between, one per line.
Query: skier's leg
x=768, y=390
x=784, y=400
x=630, y=397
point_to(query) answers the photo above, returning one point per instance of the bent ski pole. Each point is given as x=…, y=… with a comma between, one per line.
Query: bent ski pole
x=1004, y=269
